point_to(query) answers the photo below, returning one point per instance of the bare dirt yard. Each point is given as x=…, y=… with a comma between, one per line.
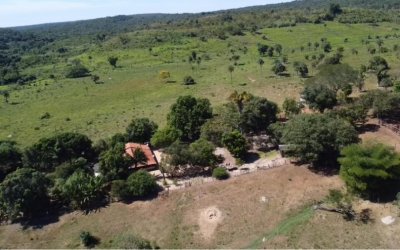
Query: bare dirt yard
x=380, y=134
x=227, y=214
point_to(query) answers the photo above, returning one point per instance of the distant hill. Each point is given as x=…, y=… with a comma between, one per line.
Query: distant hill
x=126, y=23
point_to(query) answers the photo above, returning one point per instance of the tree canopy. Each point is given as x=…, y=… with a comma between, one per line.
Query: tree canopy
x=317, y=138
x=141, y=130
x=23, y=194
x=188, y=114
x=372, y=170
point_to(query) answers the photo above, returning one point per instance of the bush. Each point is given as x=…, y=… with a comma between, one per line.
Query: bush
x=188, y=80
x=88, y=240
x=220, y=173
x=77, y=71
x=119, y=190
x=130, y=241
x=236, y=143
x=141, y=184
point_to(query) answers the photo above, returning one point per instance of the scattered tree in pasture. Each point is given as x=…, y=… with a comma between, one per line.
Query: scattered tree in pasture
x=188, y=80
x=301, y=69
x=262, y=49
x=278, y=67
x=112, y=60
x=77, y=71
x=95, y=79
x=5, y=94
x=278, y=48
x=231, y=69
x=378, y=63
x=327, y=47
x=261, y=63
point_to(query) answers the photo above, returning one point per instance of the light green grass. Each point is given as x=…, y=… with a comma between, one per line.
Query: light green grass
x=135, y=90
x=284, y=228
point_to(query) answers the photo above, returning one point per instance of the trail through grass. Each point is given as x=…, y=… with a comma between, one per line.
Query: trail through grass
x=285, y=227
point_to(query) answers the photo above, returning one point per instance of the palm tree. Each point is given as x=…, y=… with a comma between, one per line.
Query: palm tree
x=261, y=63
x=138, y=157
x=240, y=99
x=231, y=69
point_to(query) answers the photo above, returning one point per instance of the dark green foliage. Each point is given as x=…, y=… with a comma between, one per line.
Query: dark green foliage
x=321, y=91
x=301, y=69
x=317, y=138
x=220, y=173
x=355, y=113
x=383, y=103
x=190, y=160
x=119, y=190
x=113, y=61
x=65, y=170
x=291, y=107
x=226, y=120
x=335, y=59
x=258, y=113
x=236, y=143
x=372, y=171
x=187, y=116
x=10, y=158
x=114, y=164
x=335, y=9
x=88, y=240
x=130, y=241
x=51, y=152
x=278, y=67
x=188, y=80
x=327, y=47
x=23, y=194
x=141, y=184
x=141, y=130
x=165, y=137
x=378, y=63
x=77, y=71
x=82, y=190
x=138, y=158
x=262, y=49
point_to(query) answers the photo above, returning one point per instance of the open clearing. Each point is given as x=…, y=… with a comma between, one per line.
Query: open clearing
x=239, y=213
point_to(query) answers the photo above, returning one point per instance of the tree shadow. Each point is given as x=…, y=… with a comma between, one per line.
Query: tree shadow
x=251, y=157
x=368, y=128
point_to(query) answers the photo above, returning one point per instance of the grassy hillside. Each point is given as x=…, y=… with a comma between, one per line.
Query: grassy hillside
x=135, y=90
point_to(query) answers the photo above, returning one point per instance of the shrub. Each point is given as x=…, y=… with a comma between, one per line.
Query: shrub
x=130, y=241
x=220, y=173
x=236, y=143
x=188, y=80
x=141, y=184
x=88, y=240
x=77, y=71
x=119, y=190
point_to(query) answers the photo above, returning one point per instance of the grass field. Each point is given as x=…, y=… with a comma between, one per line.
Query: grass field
x=135, y=90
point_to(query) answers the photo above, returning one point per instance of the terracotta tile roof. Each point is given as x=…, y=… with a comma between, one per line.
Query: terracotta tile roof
x=151, y=160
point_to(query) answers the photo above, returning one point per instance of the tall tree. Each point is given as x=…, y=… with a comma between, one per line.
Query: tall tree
x=141, y=130
x=187, y=116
